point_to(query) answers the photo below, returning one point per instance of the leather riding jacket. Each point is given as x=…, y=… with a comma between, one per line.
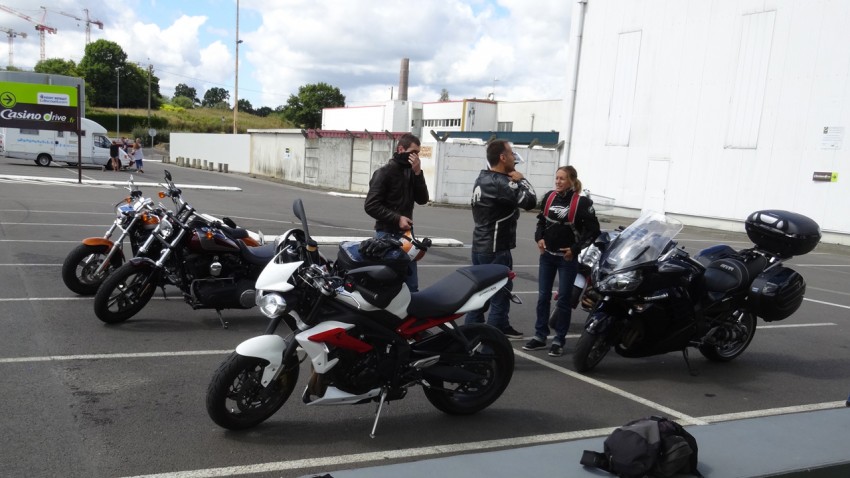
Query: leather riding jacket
x=495, y=209
x=392, y=191
x=555, y=229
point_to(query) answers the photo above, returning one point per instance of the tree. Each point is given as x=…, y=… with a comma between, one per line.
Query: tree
x=183, y=102
x=245, y=105
x=105, y=68
x=57, y=66
x=444, y=95
x=305, y=109
x=263, y=111
x=214, y=97
x=185, y=90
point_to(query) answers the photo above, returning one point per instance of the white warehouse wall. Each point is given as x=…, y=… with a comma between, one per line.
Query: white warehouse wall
x=546, y=115
x=231, y=149
x=716, y=108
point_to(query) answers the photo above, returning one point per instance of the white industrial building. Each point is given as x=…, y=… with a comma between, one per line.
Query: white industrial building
x=711, y=109
x=447, y=116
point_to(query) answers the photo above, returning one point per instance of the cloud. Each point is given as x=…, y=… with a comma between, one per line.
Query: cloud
x=356, y=45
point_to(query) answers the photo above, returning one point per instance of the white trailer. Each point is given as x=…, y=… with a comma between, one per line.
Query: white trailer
x=45, y=146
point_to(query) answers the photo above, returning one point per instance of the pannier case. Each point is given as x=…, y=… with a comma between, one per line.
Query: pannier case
x=777, y=293
x=783, y=233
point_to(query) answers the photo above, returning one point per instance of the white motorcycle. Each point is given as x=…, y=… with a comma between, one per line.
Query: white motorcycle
x=367, y=338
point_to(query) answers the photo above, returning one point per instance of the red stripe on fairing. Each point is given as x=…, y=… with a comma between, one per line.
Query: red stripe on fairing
x=339, y=337
x=412, y=326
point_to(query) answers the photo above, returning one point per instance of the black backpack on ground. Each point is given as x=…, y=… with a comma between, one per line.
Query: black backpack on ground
x=653, y=446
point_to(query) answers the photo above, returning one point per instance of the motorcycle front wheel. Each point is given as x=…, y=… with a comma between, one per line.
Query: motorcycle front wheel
x=78, y=270
x=124, y=293
x=491, y=363
x=742, y=330
x=236, y=398
x=590, y=350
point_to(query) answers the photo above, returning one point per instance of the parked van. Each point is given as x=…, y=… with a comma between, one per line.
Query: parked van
x=45, y=146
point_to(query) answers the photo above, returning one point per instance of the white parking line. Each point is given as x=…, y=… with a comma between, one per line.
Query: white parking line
x=64, y=358
x=686, y=419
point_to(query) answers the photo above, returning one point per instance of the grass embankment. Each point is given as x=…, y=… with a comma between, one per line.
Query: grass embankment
x=196, y=120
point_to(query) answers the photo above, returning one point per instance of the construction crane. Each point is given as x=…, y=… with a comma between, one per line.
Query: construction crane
x=89, y=22
x=11, y=34
x=39, y=26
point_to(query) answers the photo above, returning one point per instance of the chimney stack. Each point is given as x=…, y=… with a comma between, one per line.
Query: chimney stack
x=403, y=77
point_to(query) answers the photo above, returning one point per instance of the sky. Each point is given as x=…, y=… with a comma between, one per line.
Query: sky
x=514, y=49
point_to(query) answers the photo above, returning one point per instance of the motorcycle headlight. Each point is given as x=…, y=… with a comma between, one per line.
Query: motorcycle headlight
x=622, y=282
x=271, y=305
x=123, y=210
x=165, y=229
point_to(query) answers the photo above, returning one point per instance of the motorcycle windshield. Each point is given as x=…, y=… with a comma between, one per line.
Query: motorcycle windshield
x=644, y=241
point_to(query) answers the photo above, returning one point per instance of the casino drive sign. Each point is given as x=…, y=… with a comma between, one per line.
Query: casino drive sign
x=38, y=106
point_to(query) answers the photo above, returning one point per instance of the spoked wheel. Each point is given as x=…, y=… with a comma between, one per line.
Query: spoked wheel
x=124, y=293
x=462, y=384
x=78, y=270
x=731, y=339
x=590, y=350
x=236, y=398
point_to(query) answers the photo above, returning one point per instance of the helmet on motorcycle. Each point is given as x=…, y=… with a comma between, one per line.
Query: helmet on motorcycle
x=410, y=248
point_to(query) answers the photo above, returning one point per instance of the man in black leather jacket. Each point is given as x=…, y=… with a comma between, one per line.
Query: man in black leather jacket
x=496, y=198
x=393, y=190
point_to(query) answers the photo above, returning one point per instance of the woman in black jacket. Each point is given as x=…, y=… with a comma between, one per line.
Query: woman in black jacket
x=566, y=224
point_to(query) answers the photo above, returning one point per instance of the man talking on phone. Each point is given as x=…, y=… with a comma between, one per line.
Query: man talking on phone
x=393, y=190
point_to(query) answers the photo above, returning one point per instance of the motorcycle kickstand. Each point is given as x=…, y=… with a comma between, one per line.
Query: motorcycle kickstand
x=378, y=411
x=163, y=292
x=224, y=324
x=692, y=371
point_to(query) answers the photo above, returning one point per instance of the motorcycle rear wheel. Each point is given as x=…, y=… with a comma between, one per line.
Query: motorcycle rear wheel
x=124, y=293
x=590, y=350
x=728, y=352
x=466, y=398
x=80, y=265
x=236, y=399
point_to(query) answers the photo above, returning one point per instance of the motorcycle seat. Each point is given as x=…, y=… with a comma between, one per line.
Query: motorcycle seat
x=259, y=256
x=726, y=275
x=450, y=293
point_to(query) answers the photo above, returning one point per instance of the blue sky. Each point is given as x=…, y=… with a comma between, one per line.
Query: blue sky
x=355, y=45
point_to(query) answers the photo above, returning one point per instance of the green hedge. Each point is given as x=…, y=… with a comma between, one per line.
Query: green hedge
x=129, y=122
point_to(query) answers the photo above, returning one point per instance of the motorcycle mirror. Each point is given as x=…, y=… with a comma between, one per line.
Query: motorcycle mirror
x=298, y=210
x=228, y=222
x=167, y=175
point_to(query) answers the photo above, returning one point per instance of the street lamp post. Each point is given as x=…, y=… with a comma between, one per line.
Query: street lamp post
x=117, y=101
x=236, y=83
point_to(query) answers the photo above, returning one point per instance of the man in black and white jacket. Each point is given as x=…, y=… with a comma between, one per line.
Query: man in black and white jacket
x=497, y=196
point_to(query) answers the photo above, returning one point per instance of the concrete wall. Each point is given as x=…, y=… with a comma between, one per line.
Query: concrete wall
x=231, y=149
x=278, y=154
x=459, y=164
x=714, y=109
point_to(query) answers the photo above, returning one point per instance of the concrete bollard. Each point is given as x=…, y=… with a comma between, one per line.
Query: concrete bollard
x=166, y=159
x=181, y=161
x=220, y=169
x=205, y=165
x=212, y=166
x=225, y=167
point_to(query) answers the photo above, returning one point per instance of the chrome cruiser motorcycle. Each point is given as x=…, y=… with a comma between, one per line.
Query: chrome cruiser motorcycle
x=207, y=260
x=656, y=298
x=88, y=264
x=366, y=337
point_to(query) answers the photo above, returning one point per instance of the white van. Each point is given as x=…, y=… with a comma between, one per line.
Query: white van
x=44, y=146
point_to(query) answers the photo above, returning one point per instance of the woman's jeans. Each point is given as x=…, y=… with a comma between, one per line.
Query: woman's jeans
x=551, y=264
x=499, y=304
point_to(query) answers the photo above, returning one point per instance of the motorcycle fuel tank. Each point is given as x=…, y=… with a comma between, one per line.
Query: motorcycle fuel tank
x=212, y=240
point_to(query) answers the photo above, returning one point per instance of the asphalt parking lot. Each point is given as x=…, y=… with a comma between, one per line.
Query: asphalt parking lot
x=87, y=399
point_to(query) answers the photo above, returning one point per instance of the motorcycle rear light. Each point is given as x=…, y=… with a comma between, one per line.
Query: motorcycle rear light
x=511, y=275
x=161, y=195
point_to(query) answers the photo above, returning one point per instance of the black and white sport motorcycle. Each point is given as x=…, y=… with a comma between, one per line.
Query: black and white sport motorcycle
x=365, y=337
x=656, y=298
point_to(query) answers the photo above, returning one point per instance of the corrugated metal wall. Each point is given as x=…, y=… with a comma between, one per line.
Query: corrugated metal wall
x=744, y=100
